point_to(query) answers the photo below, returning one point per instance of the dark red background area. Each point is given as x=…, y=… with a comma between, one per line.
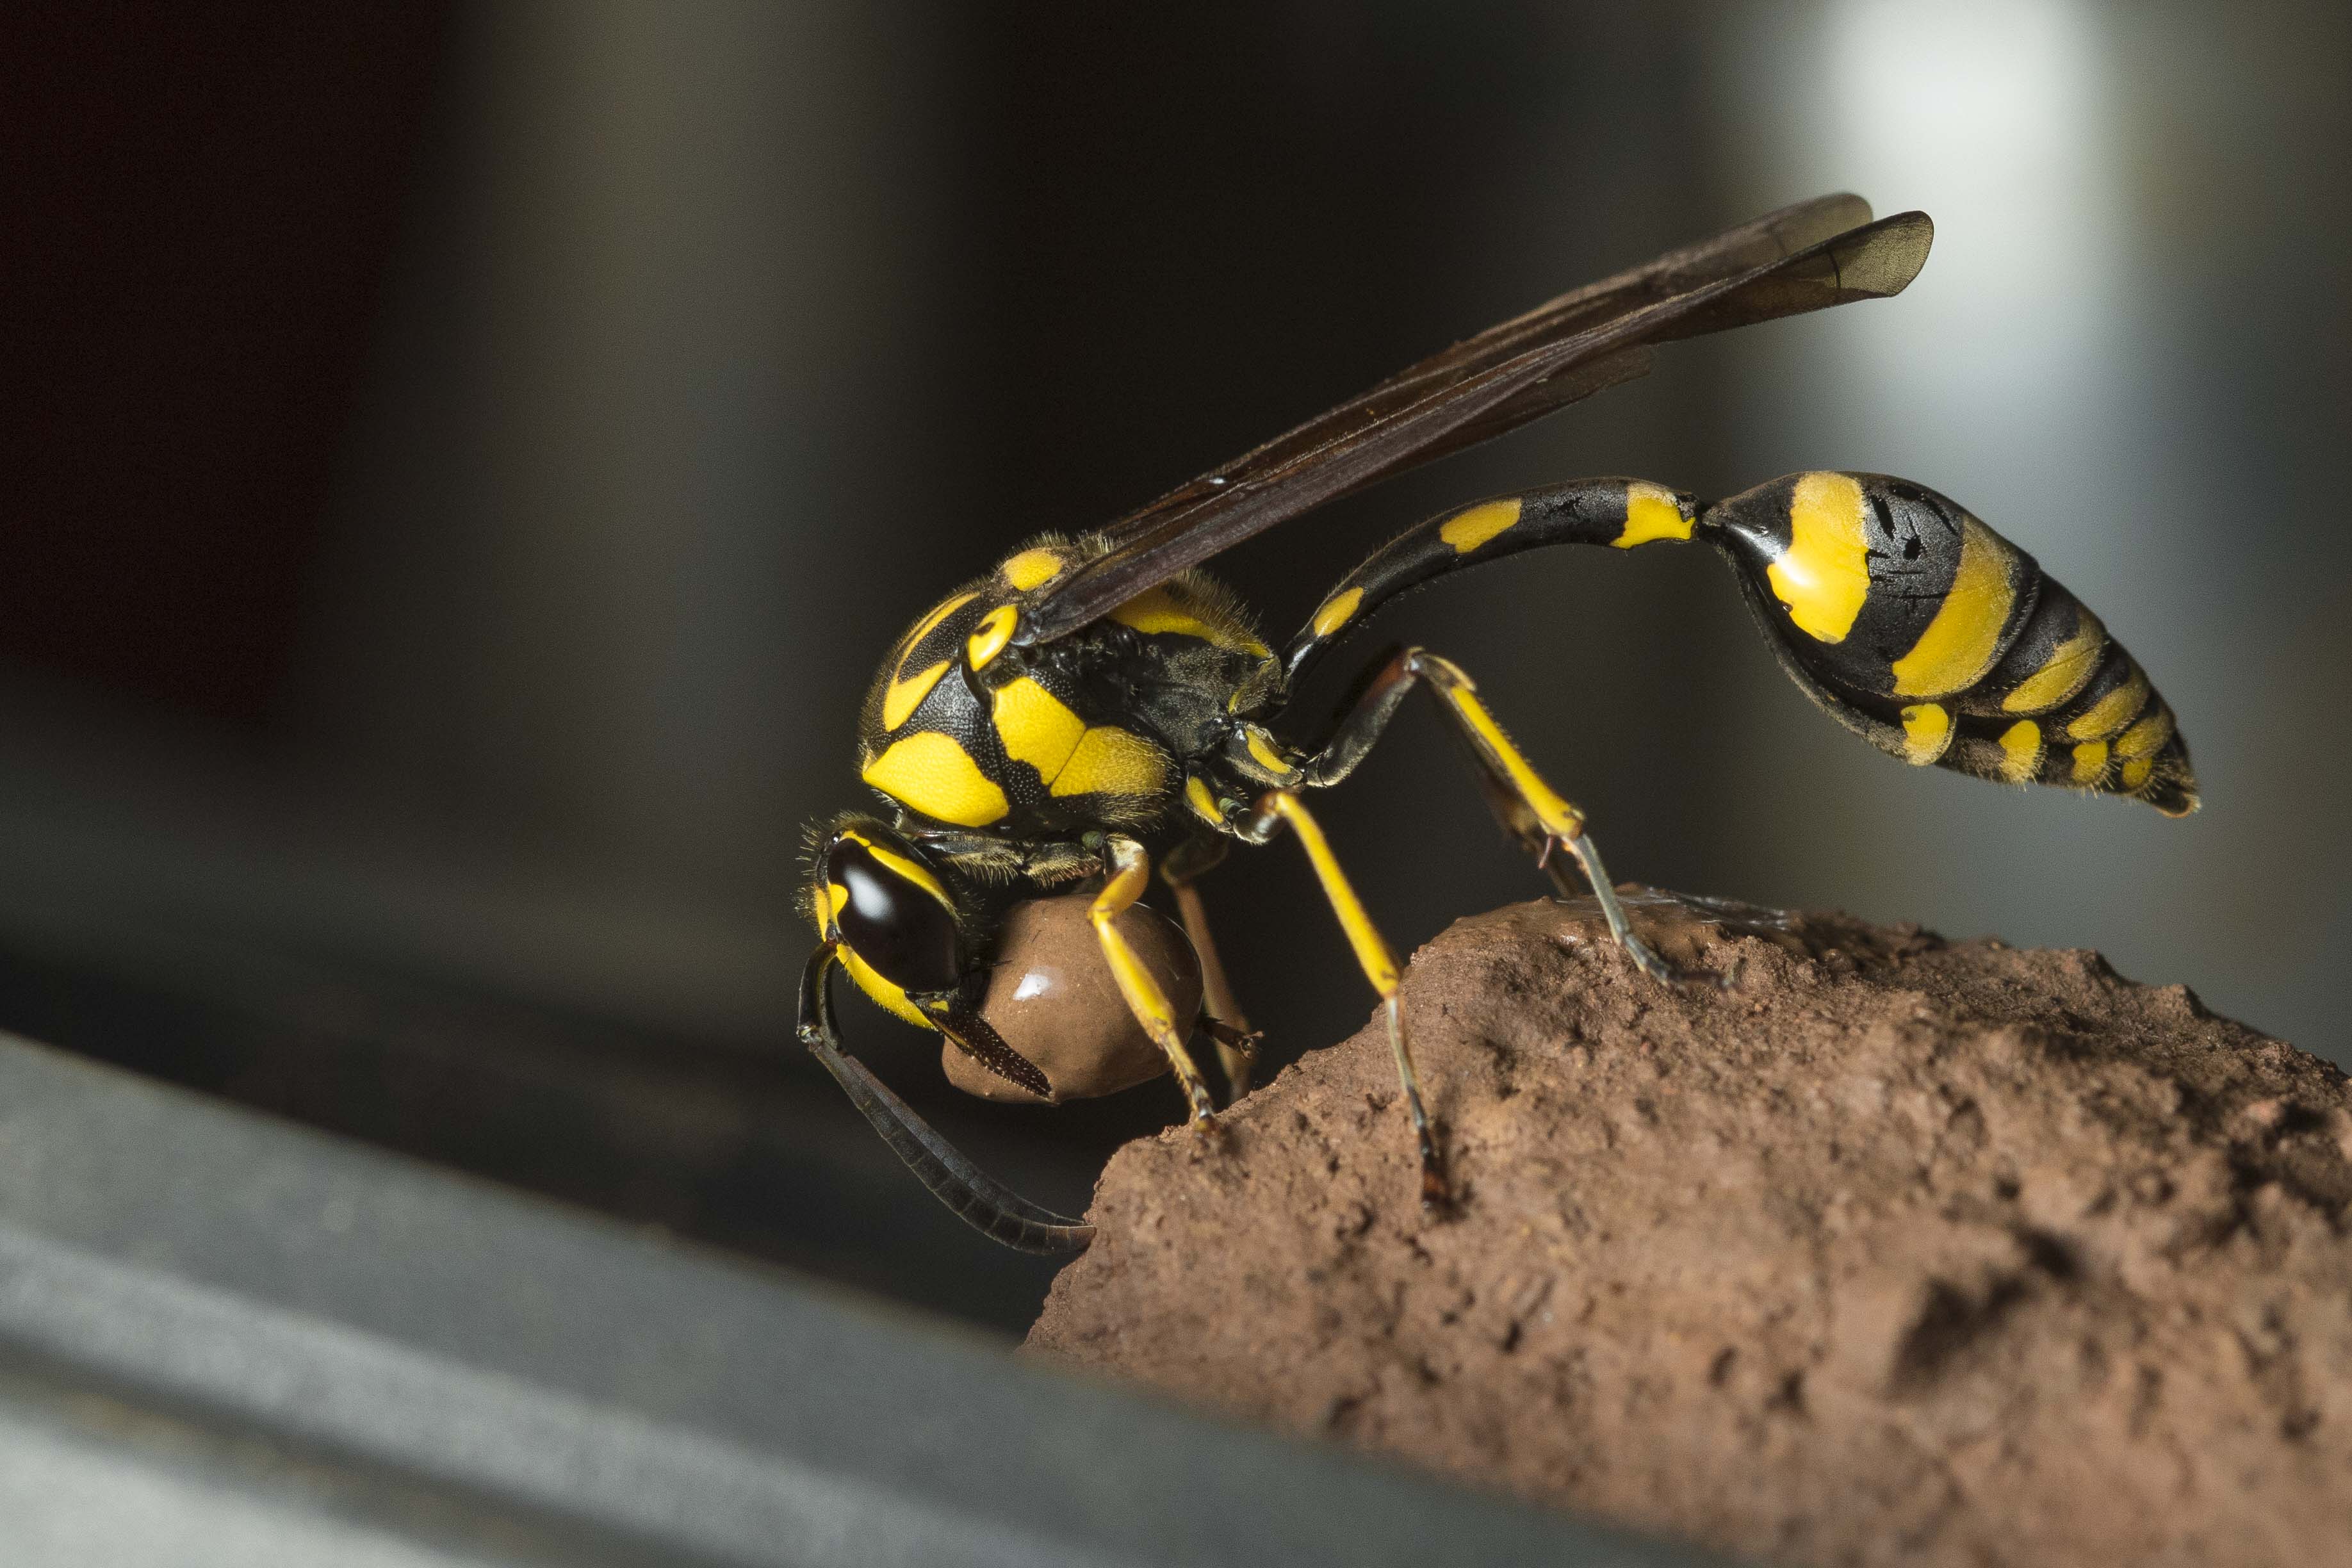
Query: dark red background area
x=202, y=203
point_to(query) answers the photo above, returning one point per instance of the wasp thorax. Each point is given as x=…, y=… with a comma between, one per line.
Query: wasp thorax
x=1051, y=999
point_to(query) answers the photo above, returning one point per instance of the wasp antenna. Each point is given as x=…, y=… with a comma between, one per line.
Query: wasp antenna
x=970, y=1194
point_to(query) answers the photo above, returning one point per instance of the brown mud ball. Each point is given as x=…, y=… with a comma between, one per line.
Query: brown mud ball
x=1052, y=997
x=1890, y=1250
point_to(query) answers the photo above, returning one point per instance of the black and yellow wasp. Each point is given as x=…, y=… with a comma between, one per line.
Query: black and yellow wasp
x=1039, y=726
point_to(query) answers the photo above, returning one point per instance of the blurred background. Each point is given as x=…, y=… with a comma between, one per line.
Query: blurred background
x=460, y=465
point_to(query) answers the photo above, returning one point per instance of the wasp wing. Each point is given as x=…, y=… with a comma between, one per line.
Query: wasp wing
x=1757, y=243
x=1804, y=257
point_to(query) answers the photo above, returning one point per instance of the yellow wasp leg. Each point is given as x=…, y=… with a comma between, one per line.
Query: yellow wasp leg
x=1371, y=955
x=1130, y=873
x=1562, y=823
x=1182, y=868
x=1527, y=807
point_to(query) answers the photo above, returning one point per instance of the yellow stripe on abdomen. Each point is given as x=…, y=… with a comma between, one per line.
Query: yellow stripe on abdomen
x=1335, y=611
x=2063, y=673
x=2021, y=752
x=2145, y=738
x=1825, y=576
x=1927, y=733
x=1480, y=524
x=1960, y=644
x=1652, y=512
x=2112, y=711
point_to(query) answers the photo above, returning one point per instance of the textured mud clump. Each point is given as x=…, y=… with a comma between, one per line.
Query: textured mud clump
x=1892, y=1250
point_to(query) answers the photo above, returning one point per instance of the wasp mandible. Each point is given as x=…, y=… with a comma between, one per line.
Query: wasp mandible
x=1042, y=729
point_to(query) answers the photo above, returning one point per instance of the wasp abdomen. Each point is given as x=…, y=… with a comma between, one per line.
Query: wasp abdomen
x=1918, y=626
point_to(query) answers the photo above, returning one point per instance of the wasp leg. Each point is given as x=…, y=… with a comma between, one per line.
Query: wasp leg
x=980, y=1200
x=1130, y=873
x=1529, y=810
x=1180, y=868
x=1281, y=806
x=1236, y=1046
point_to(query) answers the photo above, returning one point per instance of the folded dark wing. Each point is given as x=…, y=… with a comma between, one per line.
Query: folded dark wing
x=1806, y=258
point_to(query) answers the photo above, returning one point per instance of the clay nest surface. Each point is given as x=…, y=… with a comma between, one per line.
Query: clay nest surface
x=1892, y=1250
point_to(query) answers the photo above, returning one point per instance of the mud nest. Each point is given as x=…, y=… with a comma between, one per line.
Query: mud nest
x=1892, y=1250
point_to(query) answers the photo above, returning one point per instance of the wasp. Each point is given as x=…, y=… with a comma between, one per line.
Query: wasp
x=1042, y=730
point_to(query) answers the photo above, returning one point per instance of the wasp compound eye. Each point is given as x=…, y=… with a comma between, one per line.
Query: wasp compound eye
x=893, y=914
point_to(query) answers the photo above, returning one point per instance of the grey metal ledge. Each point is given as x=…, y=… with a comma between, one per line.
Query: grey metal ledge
x=226, y=1339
